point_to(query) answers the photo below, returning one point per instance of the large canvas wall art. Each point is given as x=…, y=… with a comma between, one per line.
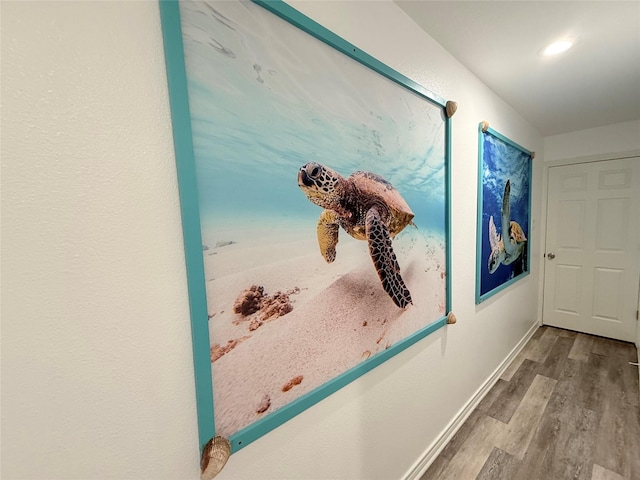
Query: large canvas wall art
x=504, y=218
x=314, y=191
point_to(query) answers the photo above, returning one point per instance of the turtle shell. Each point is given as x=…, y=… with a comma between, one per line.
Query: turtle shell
x=375, y=187
x=517, y=233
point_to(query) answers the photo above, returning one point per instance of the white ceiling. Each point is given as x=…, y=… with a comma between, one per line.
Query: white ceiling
x=595, y=83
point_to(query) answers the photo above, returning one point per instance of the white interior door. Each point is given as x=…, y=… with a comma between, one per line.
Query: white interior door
x=592, y=260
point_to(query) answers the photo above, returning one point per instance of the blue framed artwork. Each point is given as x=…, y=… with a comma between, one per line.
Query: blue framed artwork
x=314, y=189
x=504, y=212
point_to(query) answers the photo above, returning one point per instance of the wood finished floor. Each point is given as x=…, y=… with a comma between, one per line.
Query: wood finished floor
x=566, y=408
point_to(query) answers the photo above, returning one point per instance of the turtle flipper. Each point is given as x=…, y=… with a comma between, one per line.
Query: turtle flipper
x=328, y=234
x=494, y=238
x=509, y=247
x=497, y=250
x=385, y=260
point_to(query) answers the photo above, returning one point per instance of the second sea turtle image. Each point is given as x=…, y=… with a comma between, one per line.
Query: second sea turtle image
x=506, y=249
x=368, y=208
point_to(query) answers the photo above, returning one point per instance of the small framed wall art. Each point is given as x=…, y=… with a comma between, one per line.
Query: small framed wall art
x=504, y=212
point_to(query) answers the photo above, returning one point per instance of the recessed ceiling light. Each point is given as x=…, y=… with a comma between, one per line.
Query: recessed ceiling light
x=557, y=47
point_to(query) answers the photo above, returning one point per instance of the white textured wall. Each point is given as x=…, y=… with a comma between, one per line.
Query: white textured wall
x=97, y=379
x=96, y=365
x=619, y=137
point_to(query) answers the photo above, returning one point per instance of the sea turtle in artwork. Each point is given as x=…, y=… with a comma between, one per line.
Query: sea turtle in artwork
x=368, y=208
x=501, y=252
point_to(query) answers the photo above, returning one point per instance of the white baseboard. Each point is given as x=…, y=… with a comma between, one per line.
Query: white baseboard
x=431, y=453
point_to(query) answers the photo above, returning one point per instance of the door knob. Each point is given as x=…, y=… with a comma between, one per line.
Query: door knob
x=551, y=256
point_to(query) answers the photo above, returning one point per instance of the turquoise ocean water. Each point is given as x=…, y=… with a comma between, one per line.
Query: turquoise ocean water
x=265, y=98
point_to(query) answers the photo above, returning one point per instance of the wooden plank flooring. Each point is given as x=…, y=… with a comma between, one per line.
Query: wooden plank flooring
x=566, y=408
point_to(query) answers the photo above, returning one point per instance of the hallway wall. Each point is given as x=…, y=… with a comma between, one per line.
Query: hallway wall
x=97, y=369
x=619, y=137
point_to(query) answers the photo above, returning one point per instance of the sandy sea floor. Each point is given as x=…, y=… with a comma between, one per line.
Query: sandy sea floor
x=340, y=314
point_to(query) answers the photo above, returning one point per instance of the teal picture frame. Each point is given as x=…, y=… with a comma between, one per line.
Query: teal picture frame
x=183, y=135
x=501, y=159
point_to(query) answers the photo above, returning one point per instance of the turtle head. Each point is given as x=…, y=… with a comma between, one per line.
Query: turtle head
x=494, y=260
x=320, y=184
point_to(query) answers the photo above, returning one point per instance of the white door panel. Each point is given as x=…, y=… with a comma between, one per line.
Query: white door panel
x=592, y=264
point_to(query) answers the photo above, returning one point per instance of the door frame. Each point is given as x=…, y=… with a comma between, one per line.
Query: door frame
x=543, y=216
